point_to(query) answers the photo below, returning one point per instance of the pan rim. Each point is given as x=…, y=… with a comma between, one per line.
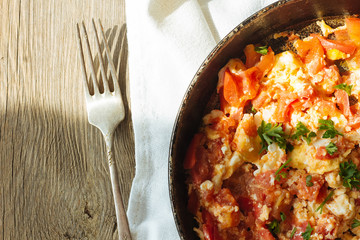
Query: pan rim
x=184, y=102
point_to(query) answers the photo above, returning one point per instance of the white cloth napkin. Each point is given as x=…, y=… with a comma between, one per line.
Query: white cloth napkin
x=168, y=40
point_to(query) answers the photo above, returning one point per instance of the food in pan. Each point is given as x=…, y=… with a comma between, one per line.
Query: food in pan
x=280, y=157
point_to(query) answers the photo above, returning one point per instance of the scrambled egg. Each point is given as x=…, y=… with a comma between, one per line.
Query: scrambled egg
x=304, y=157
x=288, y=73
x=312, y=97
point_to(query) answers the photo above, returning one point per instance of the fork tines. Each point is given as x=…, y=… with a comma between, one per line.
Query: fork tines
x=82, y=34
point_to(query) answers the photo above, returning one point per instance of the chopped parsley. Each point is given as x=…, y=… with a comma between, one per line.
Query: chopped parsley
x=289, y=147
x=278, y=174
x=350, y=175
x=303, y=131
x=355, y=223
x=345, y=87
x=269, y=134
x=263, y=50
x=328, y=125
x=274, y=227
x=253, y=110
x=282, y=216
x=331, y=148
x=309, y=136
x=309, y=183
x=293, y=233
x=306, y=235
x=324, y=202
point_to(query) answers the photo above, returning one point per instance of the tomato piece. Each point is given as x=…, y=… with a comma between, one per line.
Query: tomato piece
x=202, y=169
x=263, y=234
x=322, y=154
x=261, y=100
x=265, y=95
x=231, y=89
x=327, y=226
x=344, y=46
x=241, y=87
x=225, y=212
x=326, y=107
x=307, y=93
x=266, y=190
x=244, y=85
x=312, y=54
x=322, y=194
x=266, y=62
x=246, y=204
x=252, y=57
x=308, y=193
x=302, y=48
x=193, y=203
x=282, y=112
x=354, y=121
x=341, y=34
x=353, y=27
x=214, y=154
x=298, y=105
x=238, y=190
x=221, y=76
x=190, y=158
x=210, y=229
x=342, y=100
x=300, y=228
x=250, y=82
x=223, y=103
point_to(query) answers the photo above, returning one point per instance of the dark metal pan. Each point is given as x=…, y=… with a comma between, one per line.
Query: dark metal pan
x=298, y=15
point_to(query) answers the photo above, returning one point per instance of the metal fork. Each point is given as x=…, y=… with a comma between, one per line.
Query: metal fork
x=105, y=111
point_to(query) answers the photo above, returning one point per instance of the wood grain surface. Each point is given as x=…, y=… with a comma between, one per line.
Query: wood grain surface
x=54, y=181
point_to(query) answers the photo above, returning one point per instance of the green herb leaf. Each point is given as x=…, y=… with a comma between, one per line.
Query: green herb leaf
x=278, y=174
x=274, y=227
x=271, y=133
x=350, y=175
x=328, y=197
x=293, y=233
x=345, y=87
x=262, y=50
x=331, y=148
x=328, y=125
x=289, y=147
x=303, y=131
x=282, y=216
x=306, y=235
x=309, y=136
x=253, y=110
x=308, y=181
x=355, y=223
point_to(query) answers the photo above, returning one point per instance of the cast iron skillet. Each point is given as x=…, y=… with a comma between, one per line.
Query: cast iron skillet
x=199, y=97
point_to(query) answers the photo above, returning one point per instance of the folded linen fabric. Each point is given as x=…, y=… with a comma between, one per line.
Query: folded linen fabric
x=168, y=40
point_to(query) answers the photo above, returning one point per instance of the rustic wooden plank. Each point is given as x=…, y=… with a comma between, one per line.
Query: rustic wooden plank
x=54, y=181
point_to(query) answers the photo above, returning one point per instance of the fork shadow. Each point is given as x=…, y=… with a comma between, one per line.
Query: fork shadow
x=124, y=149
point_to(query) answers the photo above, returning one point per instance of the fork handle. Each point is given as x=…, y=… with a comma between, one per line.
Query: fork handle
x=122, y=221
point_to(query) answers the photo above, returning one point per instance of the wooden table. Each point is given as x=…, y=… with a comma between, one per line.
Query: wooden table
x=54, y=181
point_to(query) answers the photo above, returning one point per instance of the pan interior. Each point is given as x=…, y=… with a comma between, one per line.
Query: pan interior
x=201, y=96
